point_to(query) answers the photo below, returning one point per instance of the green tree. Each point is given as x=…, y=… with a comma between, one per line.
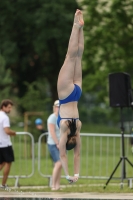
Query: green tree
x=108, y=43
x=36, y=97
x=6, y=81
x=34, y=39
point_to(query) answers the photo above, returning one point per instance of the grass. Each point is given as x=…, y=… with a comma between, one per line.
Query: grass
x=99, y=160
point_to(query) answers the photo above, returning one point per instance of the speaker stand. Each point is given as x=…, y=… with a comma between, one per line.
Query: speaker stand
x=122, y=158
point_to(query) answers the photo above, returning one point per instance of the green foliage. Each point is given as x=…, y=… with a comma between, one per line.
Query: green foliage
x=6, y=80
x=34, y=39
x=92, y=111
x=108, y=43
x=36, y=97
x=33, y=42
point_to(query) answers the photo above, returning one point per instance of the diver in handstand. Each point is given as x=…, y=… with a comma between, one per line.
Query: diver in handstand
x=69, y=88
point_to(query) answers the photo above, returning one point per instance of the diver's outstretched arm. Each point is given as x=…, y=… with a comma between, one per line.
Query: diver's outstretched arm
x=63, y=155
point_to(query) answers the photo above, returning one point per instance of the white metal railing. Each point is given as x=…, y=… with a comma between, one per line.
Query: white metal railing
x=23, y=167
x=100, y=153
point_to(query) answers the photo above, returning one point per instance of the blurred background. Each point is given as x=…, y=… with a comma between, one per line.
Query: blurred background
x=34, y=37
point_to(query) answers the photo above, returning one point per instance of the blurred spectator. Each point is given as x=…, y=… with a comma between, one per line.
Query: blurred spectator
x=53, y=145
x=6, y=150
x=40, y=127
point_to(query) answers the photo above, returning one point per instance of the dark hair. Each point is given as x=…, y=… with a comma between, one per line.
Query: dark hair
x=5, y=103
x=71, y=142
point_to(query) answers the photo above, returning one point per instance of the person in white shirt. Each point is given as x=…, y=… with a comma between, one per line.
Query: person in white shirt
x=6, y=150
x=53, y=145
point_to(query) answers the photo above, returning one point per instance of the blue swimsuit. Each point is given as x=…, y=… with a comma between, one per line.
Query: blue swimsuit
x=74, y=96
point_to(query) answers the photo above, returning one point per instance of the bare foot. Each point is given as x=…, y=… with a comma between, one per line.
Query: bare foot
x=78, y=19
x=53, y=188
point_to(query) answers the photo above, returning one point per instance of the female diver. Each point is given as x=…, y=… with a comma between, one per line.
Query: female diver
x=69, y=91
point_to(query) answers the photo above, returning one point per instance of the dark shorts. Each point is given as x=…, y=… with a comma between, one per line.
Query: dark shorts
x=6, y=154
x=54, y=152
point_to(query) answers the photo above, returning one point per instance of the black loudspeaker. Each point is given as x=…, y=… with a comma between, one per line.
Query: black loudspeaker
x=120, y=92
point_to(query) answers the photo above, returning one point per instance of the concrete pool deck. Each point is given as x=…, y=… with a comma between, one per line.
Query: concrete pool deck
x=56, y=195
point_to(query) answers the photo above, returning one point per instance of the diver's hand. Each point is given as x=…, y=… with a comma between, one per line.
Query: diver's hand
x=72, y=179
x=69, y=179
x=76, y=176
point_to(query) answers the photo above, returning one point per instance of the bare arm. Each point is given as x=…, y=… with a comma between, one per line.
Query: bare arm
x=9, y=131
x=64, y=160
x=77, y=150
x=77, y=155
x=63, y=156
x=62, y=149
x=53, y=134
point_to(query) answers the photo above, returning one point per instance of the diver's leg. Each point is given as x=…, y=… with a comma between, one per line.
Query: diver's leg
x=66, y=74
x=78, y=67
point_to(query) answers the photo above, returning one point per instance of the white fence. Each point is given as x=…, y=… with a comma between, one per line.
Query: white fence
x=100, y=154
x=23, y=167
